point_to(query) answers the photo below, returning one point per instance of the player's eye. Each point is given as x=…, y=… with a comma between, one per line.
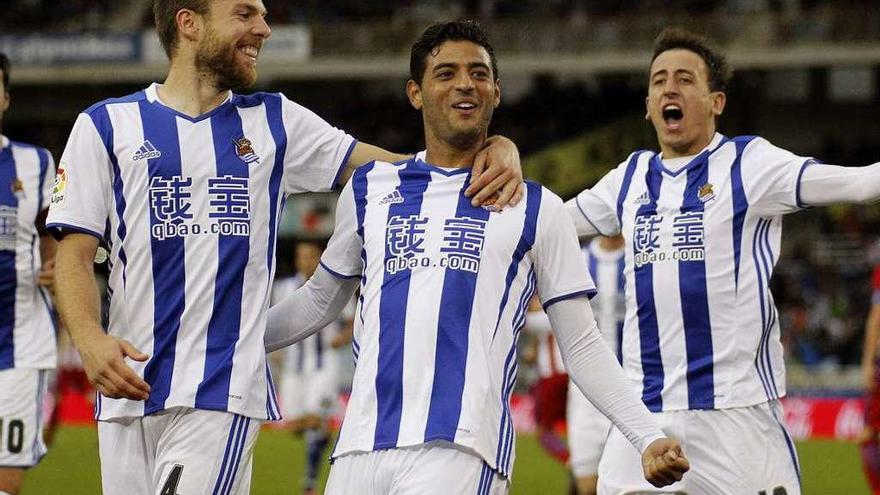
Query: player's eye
x=480, y=74
x=446, y=74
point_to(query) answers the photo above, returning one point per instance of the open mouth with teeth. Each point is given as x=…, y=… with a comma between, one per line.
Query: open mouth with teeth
x=673, y=116
x=251, y=52
x=465, y=106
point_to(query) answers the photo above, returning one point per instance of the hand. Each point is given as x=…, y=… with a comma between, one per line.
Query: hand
x=103, y=359
x=663, y=462
x=496, y=177
x=46, y=277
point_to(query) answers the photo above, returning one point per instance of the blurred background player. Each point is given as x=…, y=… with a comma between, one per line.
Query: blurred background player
x=429, y=410
x=309, y=389
x=587, y=427
x=27, y=328
x=703, y=223
x=868, y=442
x=550, y=389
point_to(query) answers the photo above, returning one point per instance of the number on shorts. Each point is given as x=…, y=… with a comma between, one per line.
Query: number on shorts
x=14, y=436
x=779, y=490
x=170, y=487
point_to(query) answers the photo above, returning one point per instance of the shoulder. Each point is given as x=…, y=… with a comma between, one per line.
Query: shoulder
x=378, y=168
x=259, y=98
x=101, y=106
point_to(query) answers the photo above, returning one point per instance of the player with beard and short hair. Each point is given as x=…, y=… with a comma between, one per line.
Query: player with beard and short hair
x=27, y=326
x=702, y=221
x=185, y=181
x=444, y=289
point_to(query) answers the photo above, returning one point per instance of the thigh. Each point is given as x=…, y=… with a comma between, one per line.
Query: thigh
x=22, y=392
x=132, y=472
x=204, y=452
x=438, y=469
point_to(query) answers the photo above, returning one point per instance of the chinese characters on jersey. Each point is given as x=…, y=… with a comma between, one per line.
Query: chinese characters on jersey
x=171, y=207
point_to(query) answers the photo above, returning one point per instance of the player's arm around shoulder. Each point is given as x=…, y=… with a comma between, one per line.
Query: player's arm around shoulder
x=103, y=356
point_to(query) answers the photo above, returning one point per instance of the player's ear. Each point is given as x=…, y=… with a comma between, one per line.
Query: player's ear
x=497, y=93
x=189, y=24
x=719, y=99
x=5, y=100
x=414, y=93
x=647, y=108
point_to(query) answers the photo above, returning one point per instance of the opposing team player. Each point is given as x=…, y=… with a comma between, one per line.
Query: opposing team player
x=702, y=221
x=444, y=288
x=186, y=180
x=27, y=329
x=587, y=426
x=309, y=387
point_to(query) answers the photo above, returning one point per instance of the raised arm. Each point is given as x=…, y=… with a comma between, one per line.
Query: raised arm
x=822, y=185
x=595, y=371
x=497, y=169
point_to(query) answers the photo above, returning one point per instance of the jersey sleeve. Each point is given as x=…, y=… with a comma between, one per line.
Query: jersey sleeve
x=594, y=210
x=342, y=258
x=316, y=152
x=771, y=178
x=48, y=180
x=80, y=199
x=560, y=270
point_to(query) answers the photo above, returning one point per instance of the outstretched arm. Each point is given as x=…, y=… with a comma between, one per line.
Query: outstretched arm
x=595, y=371
x=828, y=184
x=308, y=309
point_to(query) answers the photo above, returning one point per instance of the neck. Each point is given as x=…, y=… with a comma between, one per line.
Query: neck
x=671, y=151
x=453, y=155
x=190, y=91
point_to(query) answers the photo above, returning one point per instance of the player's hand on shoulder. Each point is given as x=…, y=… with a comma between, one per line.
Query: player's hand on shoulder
x=663, y=462
x=497, y=178
x=103, y=358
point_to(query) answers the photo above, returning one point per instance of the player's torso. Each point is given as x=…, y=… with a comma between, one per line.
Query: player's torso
x=443, y=295
x=26, y=331
x=193, y=224
x=697, y=267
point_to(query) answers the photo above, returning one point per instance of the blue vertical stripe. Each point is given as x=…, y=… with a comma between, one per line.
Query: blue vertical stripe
x=233, y=253
x=8, y=274
x=235, y=462
x=169, y=272
x=319, y=350
x=625, y=183
x=392, y=320
x=621, y=294
x=453, y=329
x=695, y=304
x=759, y=363
x=592, y=266
x=767, y=262
x=740, y=205
x=229, y=453
x=272, y=410
x=279, y=136
x=649, y=331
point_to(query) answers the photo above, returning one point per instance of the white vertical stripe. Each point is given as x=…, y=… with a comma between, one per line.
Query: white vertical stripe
x=197, y=160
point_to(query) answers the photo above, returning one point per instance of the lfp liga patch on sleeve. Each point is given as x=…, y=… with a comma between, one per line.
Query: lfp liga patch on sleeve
x=59, y=188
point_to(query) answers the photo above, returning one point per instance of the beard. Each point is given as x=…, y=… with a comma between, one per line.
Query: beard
x=218, y=60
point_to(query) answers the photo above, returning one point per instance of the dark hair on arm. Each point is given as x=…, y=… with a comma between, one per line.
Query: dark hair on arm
x=436, y=34
x=675, y=38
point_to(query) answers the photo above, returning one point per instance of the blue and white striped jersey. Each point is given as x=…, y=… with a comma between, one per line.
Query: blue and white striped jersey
x=27, y=330
x=444, y=291
x=609, y=305
x=701, y=330
x=190, y=207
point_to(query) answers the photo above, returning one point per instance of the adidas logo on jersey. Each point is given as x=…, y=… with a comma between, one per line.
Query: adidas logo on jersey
x=394, y=197
x=146, y=152
x=642, y=200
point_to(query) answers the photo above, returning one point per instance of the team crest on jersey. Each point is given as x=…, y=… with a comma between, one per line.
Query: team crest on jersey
x=59, y=188
x=394, y=197
x=146, y=152
x=706, y=194
x=245, y=150
x=17, y=187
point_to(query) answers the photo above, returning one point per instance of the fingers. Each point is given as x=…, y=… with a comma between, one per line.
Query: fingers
x=666, y=468
x=131, y=351
x=479, y=166
x=478, y=190
x=518, y=194
x=111, y=376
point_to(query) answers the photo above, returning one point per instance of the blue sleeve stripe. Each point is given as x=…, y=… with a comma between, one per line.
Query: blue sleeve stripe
x=335, y=184
x=797, y=191
x=337, y=274
x=589, y=294
x=58, y=230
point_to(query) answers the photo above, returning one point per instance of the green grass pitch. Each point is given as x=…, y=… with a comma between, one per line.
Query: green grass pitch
x=71, y=467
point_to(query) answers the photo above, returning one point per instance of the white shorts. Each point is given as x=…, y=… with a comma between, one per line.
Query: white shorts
x=736, y=451
x=311, y=393
x=180, y=450
x=587, y=431
x=22, y=392
x=435, y=468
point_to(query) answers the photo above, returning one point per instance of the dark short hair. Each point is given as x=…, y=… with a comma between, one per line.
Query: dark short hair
x=437, y=34
x=675, y=38
x=164, y=14
x=5, y=67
